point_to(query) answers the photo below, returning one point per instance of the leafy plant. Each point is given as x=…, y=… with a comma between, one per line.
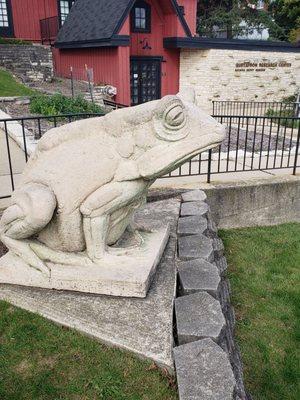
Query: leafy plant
x=13, y=41
x=59, y=104
x=284, y=119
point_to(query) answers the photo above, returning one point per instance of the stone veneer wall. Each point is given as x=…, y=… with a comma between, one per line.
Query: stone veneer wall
x=31, y=62
x=218, y=74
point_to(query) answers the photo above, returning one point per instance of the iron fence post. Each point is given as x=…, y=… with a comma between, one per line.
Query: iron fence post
x=297, y=150
x=209, y=166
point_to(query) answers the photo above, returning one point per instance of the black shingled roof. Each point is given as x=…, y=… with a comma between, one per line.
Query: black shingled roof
x=92, y=23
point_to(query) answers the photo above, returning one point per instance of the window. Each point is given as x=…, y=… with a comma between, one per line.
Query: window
x=64, y=9
x=141, y=17
x=4, y=23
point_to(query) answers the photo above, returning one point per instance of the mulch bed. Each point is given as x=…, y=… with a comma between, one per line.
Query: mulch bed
x=256, y=141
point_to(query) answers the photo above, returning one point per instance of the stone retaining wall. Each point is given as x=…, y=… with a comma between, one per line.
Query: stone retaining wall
x=255, y=203
x=207, y=359
x=31, y=62
x=241, y=75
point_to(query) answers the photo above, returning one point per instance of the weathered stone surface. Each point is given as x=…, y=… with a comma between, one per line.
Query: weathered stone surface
x=218, y=247
x=34, y=63
x=97, y=173
x=222, y=265
x=198, y=275
x=191, y=225
x=194, y=208
x=195, y=246
x=194, y=195
x=198, y=315
x=132, y=280
x=270, y=201
x=203, y=372
x=143, y=326
x=211, y=226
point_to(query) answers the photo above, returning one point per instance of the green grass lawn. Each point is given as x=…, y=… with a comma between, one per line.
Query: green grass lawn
x=264, y=272
x=40, y=360
x=10, y=87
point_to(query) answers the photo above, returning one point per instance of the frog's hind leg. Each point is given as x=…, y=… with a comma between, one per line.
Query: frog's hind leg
x=98, y=208
x=32, y=208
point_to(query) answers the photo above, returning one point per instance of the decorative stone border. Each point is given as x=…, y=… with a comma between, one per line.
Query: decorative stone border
x=207, y=360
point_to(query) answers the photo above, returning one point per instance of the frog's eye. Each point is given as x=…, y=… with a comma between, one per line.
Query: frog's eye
x=171, y=119
x=174, y=117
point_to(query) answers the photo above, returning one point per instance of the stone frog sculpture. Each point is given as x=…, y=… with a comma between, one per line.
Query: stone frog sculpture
x=85, y=179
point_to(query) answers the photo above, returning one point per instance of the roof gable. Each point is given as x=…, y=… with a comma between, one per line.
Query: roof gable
x=97, y=23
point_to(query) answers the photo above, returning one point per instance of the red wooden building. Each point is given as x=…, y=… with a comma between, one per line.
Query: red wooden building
x=130, y=44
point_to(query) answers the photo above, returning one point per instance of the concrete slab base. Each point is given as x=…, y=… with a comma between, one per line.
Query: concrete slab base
x=128, y=273
x=141, y=325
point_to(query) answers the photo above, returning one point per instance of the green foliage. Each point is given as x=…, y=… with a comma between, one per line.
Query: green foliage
x=10, y=87
x=58, y=104
x=227, y=15
x=286, y=16
x=286, y=112
x=289, y=123
x=40, y=360
x=264, y=273
x=13, y=41
x=281, y=17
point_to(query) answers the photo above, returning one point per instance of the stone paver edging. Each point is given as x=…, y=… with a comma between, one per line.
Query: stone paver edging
x=207, y=359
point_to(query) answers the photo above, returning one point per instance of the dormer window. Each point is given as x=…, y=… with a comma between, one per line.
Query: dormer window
x=64, y=7
x=141, y=17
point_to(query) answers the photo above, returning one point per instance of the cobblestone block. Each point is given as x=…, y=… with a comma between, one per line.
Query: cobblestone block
x=203, y=372
x=194, y=208
x=194, y=195
x=191, y=225
x=198, y=316
x=195, y=246
x=198, y=276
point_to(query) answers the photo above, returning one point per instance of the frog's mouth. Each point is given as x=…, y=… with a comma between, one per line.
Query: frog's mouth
x=163, y=159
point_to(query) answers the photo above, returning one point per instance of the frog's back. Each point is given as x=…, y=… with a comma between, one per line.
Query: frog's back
x=84, y=163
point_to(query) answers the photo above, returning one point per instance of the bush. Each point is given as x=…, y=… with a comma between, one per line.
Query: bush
x=289, y=123
x=13, y=41
x=58, y=104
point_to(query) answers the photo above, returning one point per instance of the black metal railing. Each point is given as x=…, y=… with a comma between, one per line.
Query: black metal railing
x=271, y=143
x=49, y=29
x=249, y=147
x=256, y=109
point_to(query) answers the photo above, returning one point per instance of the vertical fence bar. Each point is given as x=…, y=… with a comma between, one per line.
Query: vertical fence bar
x=9, y=157
x=297, y=149
x=209, y=166
x=276, y=144
x=291, y=143
x=39, y=128
x=261, y=142
x=24, y=140
x=283, y=144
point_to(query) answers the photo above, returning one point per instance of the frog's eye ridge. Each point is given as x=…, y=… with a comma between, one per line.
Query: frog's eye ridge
x=171, y=119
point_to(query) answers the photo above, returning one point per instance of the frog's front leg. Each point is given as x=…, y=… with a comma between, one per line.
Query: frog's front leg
x=97, y=209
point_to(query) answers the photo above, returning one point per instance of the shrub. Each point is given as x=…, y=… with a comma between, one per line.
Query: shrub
x=58, y=104
x=289, y=123
x=13, y=41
